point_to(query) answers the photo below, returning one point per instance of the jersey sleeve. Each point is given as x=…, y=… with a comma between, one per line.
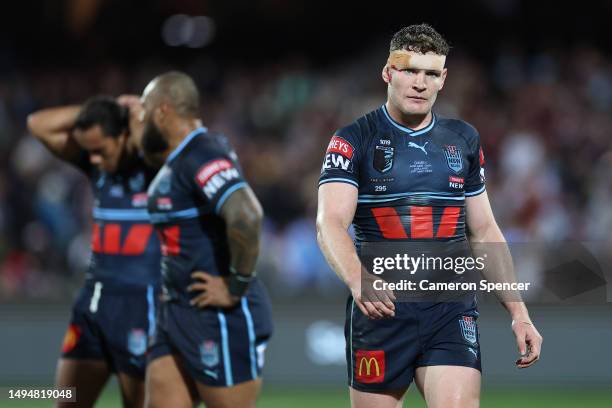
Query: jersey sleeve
x=475, y=181
x=216, y=174
x=341, y=162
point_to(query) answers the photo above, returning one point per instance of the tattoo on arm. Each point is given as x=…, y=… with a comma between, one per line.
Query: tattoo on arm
x=243, y=215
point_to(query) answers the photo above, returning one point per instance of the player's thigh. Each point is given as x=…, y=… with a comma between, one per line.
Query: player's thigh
x=88, y=376
x=167, y=385
x=243, y=395
x=387, y=399
x=126, y=341
x=446, y=386
x=132, y=390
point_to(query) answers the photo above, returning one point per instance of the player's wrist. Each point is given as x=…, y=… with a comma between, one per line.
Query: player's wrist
x=518, y=311
x=237, y=283
x=354, y=284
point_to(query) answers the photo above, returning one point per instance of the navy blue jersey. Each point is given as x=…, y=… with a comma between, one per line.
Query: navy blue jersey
x=185, y=199
x=412, y=184
x=124, y=248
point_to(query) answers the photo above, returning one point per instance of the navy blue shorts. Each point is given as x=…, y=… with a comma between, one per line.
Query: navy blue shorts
x=113, y=323
x=382, y=355
x=218, y=347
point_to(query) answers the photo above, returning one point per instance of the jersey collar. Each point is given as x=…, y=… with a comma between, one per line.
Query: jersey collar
x=411, y=132
x=185, y=142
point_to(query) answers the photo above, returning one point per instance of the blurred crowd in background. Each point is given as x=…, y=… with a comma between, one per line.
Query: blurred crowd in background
x=544, y=118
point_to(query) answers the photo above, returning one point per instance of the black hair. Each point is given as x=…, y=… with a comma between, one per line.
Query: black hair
x=106, y=112
x=421, y=38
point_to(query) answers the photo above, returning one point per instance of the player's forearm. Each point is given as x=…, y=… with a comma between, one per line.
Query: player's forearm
x=243, y=217
x=339, y=251
x=48, y=122
x=52, y=127
x=243, y=239
x=499, y=267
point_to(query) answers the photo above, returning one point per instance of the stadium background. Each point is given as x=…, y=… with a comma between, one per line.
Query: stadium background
x=279, y=77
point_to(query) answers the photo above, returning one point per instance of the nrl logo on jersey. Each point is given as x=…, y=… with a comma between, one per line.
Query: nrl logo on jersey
x=383, y=158
x=453, y=158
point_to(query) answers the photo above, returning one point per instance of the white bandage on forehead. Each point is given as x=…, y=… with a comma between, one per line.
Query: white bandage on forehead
x=399, y=59
x=402, y=59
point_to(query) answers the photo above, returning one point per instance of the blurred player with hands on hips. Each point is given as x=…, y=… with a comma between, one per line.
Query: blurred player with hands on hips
x=215, y=319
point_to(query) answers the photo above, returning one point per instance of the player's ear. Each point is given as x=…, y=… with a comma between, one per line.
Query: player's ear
x=443, y=78
x=160, y=113
x=386, y=75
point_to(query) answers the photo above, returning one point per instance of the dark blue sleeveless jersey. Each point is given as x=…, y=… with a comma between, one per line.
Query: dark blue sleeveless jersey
x=412, y=184
x=124, y=248
x=184, y=202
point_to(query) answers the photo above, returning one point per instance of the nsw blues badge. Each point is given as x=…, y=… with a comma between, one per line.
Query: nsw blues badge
x=137, y=182
x=137, y=342
x=468, y=329
x=163, y=181
x=209, y=353
x=453, y=158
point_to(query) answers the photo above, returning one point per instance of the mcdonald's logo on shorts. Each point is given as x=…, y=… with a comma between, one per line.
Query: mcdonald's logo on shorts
x=73, y=334
x=370, y=366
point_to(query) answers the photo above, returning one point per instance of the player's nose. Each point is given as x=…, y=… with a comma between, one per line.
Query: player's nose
x=419, y=82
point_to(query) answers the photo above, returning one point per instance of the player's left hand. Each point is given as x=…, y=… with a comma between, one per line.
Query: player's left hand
x=214, y=291
x=529, y=342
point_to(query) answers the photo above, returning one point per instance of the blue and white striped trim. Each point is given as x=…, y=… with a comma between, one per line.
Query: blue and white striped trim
x=159, y=218
x=473, y=193
x=411, y=132
x=339, y=180
x=112, y=214
x=251, y=331
x=150, y=310
x=226, y=195
x=227, y=362
x=439, y=193
x=185, y=142
x=427, y=196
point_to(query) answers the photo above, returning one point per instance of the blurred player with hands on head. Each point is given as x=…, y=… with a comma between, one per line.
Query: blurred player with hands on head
x=215, y=318
x=113, y=316
x=401, y=173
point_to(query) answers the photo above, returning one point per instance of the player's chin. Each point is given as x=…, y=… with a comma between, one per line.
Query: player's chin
x=416, y=107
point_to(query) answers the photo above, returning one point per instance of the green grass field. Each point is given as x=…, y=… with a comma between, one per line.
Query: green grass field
x=326, y=398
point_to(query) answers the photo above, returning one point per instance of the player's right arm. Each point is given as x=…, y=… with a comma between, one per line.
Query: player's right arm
x=337, y=204
x=338, y=192
x=53, y=127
